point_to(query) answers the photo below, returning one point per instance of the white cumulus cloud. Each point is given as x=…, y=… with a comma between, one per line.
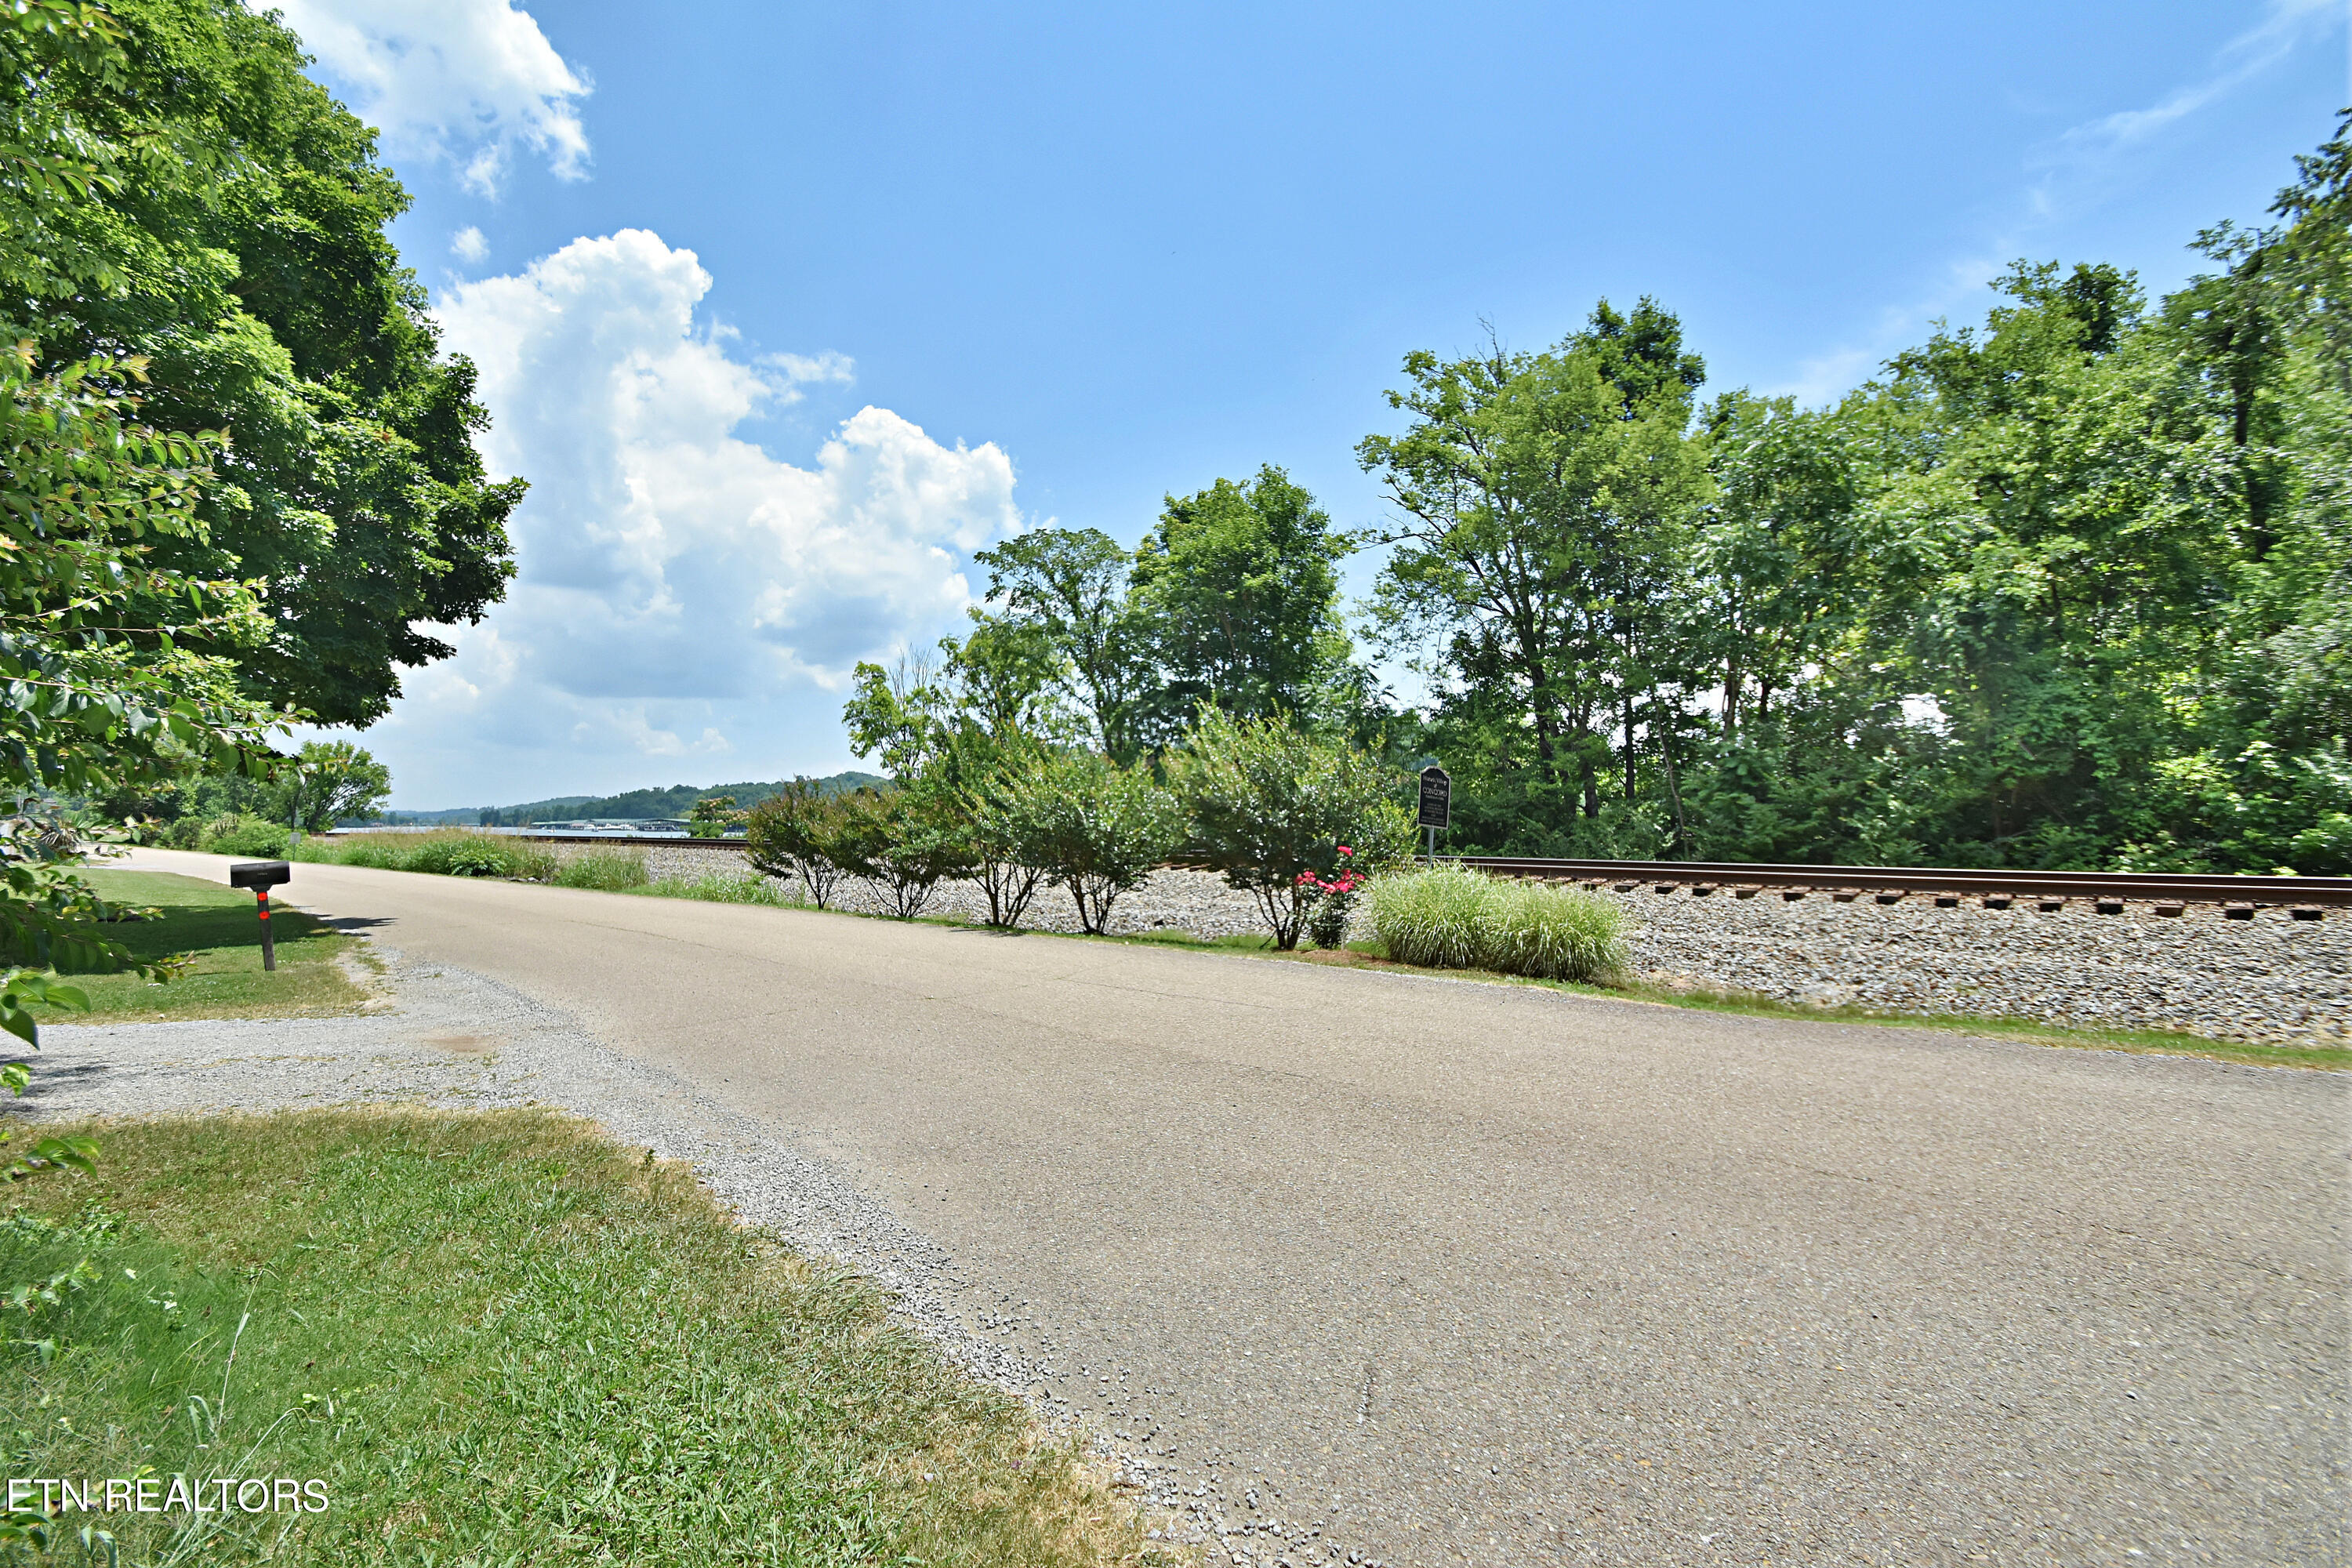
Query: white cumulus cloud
x=468, y=243
x=681, y=592
x=466, y=80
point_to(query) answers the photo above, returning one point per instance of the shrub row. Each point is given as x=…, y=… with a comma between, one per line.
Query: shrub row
x=1293, y=820
x=1454, y=917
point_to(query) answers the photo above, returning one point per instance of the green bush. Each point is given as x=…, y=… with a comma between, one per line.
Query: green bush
x=606, y=870
x=1089, y=825
x=382, y=854
x=238, y=833
x=799, y=831
x=902, y=843
x=982, y=768
x=1454, y=917
x=1271, y=808
x=459, y=855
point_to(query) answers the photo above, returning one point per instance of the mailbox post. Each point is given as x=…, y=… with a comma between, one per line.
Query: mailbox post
x=261, y=875
x=1436, y=803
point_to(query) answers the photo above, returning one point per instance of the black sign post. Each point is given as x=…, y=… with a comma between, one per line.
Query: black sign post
x=1436, y=803
x=261, y=875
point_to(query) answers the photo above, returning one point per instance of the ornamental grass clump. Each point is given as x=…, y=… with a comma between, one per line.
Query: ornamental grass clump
x=1454, y=917
x=1553, y=933
x=1434, y=919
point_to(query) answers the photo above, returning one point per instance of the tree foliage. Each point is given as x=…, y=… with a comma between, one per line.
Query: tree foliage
x=172, y=186
x=1234, y=595
x=1232, y=599
x=1545, y=501
x=98, y=688
x=333, y=780
x=2068, y=586
x=2063, y=588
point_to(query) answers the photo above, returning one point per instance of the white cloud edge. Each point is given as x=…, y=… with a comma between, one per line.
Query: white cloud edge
x=463, y=81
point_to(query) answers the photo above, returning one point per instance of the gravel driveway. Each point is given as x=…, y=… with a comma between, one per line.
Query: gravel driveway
x=1377, y=1267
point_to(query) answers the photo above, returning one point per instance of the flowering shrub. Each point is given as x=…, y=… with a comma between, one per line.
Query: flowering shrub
x=1269, y=803
x=1333, y=900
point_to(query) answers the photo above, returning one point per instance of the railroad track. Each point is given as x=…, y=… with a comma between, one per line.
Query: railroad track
x=2109, y=892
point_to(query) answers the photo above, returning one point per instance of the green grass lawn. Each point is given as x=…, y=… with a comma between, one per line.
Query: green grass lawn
x=217, y=928
x=495, y=1338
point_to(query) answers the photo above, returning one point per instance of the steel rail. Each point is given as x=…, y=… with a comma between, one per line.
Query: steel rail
x=2132, y=887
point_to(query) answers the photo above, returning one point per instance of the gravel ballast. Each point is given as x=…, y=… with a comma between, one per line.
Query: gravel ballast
x=2268, y=980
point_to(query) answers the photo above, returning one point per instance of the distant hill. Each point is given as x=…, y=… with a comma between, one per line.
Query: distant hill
x=636, y=806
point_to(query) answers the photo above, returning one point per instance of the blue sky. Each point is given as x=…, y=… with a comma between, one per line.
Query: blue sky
x=785, y=310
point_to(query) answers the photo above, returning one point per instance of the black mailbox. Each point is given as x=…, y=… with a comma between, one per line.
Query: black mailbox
x=260, y=874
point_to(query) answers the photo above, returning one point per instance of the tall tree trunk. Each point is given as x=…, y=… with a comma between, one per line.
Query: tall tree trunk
x=1629, y=748
x=1673, y=784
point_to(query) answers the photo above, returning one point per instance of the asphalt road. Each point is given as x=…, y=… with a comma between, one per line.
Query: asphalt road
x=1465, y=1272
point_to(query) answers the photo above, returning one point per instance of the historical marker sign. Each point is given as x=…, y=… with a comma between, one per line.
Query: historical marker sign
x=1436, y=797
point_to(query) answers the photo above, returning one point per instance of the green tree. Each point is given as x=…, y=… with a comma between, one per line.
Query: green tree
x=99, y=690
x=1544, y=505
x=956, y=732
x=712, y=815
x=2052, y=550
x=1268, y=805
x=1782, y=552
x=1065, y=590
x=175, y=186
x=330, y=781
x=1236, y=593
